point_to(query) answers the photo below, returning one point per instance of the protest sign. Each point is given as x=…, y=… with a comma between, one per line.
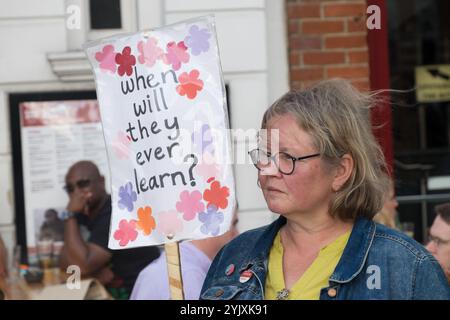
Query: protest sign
x=163, y=110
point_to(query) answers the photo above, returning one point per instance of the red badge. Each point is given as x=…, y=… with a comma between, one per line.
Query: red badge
x=245, y=276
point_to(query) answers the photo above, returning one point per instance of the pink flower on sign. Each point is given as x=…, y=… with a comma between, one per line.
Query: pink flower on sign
x=107, y=58
x=208, y=167
x=120, y=145
x=126, y=232
x=169, y=223
x=149, y=52
x=190, y=204
x=190, y=84
x=176, y=55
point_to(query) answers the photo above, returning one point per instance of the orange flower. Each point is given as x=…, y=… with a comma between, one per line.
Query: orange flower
x=217, y=195
x=146, y=222
x=189, y=84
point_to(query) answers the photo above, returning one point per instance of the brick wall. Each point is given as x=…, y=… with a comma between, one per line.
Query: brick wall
x=327, y=39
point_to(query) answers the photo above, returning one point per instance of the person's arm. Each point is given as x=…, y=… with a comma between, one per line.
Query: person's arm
x=3, y=260
x=88, y=256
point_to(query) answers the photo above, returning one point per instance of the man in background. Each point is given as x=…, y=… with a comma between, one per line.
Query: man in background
x=90, y=205
x=439, y=238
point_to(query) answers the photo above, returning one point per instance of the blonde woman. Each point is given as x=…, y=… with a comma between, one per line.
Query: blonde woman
x=326, y=181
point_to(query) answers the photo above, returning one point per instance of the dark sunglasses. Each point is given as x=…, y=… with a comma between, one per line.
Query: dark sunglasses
x=80, y=184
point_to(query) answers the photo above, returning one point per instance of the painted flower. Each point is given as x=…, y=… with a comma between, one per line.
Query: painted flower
x=121, y=144
x=126, y=61
x=207, y=167
x=190, y=204
x=202, y=139
x=126, y=232
x=169, y=223
x=176, y=55
x=197, y=40
x=149, y=52
x=217, y=195
x=211, y=219
x=106, y=57
x=189, y=84
x=126, y=197
x=146, y=222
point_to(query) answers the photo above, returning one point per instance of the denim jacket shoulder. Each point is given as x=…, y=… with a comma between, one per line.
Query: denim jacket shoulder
x=377, y=263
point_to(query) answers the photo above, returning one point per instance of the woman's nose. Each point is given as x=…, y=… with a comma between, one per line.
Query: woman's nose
x=270, y=170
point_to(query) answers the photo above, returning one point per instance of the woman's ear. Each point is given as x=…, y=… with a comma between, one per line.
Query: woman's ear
x=343, y=171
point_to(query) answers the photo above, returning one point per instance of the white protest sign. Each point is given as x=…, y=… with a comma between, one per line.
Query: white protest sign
x=163, y=110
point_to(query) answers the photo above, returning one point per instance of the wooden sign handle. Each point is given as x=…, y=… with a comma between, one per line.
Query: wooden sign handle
x=174, y=270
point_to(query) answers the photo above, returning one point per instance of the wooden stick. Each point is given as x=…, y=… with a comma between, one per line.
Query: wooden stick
x=174, y=270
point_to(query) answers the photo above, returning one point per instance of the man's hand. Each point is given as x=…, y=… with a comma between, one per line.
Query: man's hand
x=79, y=202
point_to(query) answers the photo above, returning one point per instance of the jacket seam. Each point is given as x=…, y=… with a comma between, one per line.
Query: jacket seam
x=417, y=254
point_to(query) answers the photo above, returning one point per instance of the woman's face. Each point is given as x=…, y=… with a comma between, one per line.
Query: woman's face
x=309, y=188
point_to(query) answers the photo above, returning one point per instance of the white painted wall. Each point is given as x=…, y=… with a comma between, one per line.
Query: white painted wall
x=252, y=42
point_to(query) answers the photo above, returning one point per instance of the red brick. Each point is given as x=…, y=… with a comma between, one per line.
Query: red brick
x=323, y=57
x=321, y=27
x=348, y=72
x=362, y=85
x=305, y=43
x=344, y=9
x=334, y=42
x=356, y=25
x=307, y=74
x=358, y=57
x=294, y=58
x=293, y=27
x=296, y=10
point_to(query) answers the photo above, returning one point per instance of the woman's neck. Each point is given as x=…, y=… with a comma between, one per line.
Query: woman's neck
x=313, y=231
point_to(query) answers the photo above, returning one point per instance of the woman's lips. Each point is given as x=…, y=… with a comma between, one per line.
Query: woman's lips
x=272, y=189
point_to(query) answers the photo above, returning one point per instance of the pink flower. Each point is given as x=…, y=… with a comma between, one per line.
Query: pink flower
x=169, y=223
x=176, y=54
x=126, y=61
x=120, y=145
x=149, y=52
x=189, y=84
x=107, y=57
x=207, y=167
x=126, y=232
x=190, y=204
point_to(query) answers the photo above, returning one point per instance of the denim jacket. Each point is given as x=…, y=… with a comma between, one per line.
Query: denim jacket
x=377, y=263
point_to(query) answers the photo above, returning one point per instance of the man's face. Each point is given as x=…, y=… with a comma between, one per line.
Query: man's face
x=439, y=245
x=81, y=182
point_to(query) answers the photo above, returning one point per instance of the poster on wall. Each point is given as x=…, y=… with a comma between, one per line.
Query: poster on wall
x=54, y=135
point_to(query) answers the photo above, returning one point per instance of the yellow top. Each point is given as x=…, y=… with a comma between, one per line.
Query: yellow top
x=315, y=277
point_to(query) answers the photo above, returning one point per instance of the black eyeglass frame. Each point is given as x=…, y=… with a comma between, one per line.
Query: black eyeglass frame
x=272, y=159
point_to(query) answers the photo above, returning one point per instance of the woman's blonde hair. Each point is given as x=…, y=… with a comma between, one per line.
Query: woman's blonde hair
x=336, y=115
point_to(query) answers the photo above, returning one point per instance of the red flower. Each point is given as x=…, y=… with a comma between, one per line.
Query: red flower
x=126, y=61
x=189, y=84
x=217, y=195
x=126, y=232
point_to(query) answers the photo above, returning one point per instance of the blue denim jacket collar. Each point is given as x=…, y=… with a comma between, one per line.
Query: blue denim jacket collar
x=349, y=266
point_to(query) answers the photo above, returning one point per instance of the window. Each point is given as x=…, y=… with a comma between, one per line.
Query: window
x=105, y=14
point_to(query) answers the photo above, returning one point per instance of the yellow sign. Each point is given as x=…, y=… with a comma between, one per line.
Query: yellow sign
x=433, y=83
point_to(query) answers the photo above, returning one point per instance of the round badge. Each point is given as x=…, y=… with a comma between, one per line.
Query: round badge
x=245, y=276
x=230, y=269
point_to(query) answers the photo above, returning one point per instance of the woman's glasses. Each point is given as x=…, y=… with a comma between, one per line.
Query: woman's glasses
x=80, y=184
x=283, y=161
